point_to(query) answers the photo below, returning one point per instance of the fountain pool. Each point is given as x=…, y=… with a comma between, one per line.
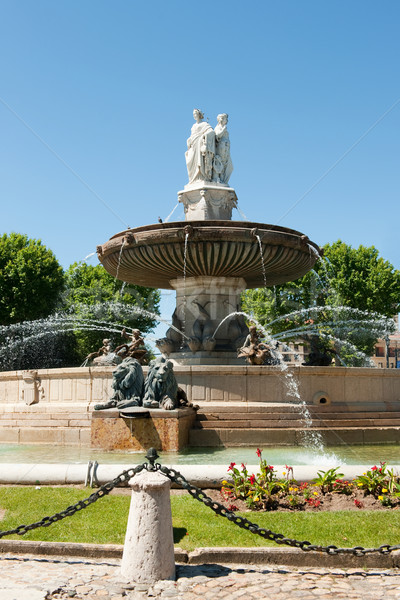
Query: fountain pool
x=333, y=456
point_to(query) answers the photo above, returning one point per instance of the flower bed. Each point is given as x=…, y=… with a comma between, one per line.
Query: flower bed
x=377, y=488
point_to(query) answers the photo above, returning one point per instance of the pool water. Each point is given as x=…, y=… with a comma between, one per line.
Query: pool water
x=290, y=455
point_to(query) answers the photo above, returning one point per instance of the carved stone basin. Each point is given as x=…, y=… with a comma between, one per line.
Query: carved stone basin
x=154, y=255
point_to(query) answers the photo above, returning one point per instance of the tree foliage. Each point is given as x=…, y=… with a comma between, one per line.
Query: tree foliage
x=350, y=295
x=100, y=306
x=53, y=319
x=31, y=279
x=362, y=279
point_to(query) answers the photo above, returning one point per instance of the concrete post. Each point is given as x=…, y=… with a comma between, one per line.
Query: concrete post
x=148, y=554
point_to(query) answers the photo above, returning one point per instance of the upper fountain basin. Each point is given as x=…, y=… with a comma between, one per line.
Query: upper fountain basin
x=153, y=255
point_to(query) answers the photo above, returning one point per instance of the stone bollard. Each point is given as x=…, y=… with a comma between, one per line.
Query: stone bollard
x=148, y=554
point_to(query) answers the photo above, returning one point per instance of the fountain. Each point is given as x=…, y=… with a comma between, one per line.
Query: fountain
x=209, y=259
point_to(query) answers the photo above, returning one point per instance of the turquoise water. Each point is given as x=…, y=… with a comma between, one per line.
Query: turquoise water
x=290, y=455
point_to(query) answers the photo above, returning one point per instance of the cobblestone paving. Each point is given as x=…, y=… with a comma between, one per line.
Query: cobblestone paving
x=40, y=578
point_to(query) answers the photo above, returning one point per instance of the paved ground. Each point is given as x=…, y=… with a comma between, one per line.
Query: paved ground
x=42, y=578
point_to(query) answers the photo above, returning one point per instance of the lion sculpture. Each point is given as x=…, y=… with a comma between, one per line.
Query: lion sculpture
x=128, y=386
x=161, y=389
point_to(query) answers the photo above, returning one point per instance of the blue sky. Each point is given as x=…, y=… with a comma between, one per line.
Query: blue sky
x=96, y=103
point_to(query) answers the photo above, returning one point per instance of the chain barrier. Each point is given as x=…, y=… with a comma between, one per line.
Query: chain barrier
x=176, y=477
x=74, y=508
x=278, y=538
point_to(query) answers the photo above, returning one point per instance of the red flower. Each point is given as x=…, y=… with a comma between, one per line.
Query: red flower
x=230, y=468
x=252, y=479
x=259, y=452
x=243, y=466
x=374, y=468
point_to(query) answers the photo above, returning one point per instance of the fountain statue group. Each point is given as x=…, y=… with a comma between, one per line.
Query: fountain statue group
x=208, y=155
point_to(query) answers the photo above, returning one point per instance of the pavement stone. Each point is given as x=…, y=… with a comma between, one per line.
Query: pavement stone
x=32, y=577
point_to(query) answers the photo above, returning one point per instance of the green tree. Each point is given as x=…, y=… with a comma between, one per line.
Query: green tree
x=362, y=279
x=31, y=283
x=31, y=279
x=332, y=300
x=97, y=306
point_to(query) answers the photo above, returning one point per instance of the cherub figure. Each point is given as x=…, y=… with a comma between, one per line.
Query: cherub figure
x=255, y=352
x=135, y=348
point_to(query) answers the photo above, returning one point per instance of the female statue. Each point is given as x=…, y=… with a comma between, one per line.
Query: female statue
x=201, y=149
x=223, y=166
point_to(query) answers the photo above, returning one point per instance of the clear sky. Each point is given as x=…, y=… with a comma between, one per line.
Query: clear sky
x=96, y=103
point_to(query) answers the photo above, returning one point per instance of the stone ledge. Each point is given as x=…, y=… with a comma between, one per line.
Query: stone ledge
x=153, y=413
x=248, y=556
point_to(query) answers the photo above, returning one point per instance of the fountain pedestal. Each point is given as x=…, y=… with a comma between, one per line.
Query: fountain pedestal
x=202, y=304
x=206, y=201
x=166, y=430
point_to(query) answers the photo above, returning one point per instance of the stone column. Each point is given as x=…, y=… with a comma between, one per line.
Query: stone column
x=148, y=554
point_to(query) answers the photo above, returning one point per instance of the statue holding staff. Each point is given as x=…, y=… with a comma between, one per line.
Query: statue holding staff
x=201, y=150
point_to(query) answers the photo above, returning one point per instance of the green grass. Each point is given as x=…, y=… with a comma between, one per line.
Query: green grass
x=195, y=525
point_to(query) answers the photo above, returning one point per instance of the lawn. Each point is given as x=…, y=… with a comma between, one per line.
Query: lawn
x=194, y=524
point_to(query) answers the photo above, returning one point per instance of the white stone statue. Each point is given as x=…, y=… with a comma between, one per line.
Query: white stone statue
x=201, y=150
x=222, y=167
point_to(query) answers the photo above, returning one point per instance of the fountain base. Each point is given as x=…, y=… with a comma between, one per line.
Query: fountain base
x=360, y=405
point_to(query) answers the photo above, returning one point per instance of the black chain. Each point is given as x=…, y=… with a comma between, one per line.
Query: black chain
x=198, y=494
x=279, y=538
x=71, y=510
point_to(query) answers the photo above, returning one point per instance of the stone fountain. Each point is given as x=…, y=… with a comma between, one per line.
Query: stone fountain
x=208, y=258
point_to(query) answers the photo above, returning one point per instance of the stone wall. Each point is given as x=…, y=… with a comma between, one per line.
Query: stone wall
x=351, y=388
x=55, y=406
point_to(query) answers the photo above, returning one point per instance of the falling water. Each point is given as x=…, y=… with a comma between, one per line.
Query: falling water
x=185, y=255
x=313, y=438
x=313, y=252
x=262, y=259
x=376, y=325
x=184, y=284
x=119, y=259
